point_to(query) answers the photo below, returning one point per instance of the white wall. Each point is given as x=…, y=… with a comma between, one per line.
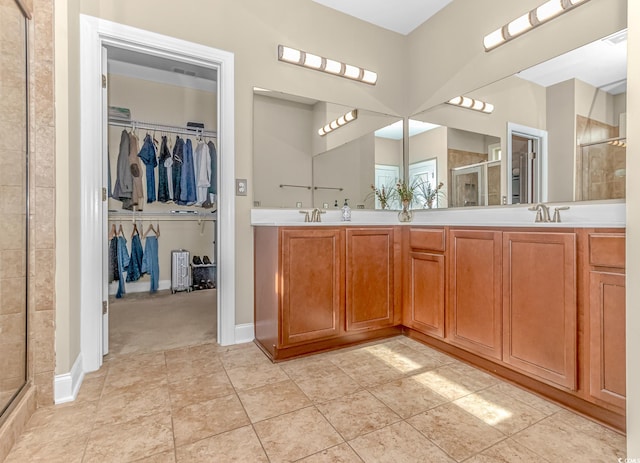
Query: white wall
x=633, y=234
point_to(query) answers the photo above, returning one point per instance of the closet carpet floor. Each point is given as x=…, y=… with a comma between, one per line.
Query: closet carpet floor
x=143, y=322
x=394, y=401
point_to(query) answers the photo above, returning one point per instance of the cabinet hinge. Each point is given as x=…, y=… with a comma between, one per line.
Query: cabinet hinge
x=104, y=194
x=532, y=155
x=104, y=81
x=105, y=307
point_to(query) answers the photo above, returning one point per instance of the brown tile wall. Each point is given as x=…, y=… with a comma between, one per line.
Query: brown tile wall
x=41, y=273
x=601, y=165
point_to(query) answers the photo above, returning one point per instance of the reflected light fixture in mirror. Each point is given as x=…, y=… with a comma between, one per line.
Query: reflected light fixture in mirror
x=330, y=66
x=528, y=21
x=470, y=103
x=339, y=122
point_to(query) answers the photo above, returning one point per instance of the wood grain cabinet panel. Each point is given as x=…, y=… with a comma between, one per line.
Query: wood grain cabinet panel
x=540, y=310
x=371, y=255
x=425, y=298
x=607, y=338
x=311, y=285
x=475, y=292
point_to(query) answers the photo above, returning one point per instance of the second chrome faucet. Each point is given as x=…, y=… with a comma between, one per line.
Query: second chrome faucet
x=542, y=213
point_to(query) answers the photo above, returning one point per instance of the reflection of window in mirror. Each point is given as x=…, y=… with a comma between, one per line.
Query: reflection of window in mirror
x=495, y=152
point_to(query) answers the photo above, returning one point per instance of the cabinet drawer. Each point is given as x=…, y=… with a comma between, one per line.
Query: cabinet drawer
x=607, y=250
x=423, y=238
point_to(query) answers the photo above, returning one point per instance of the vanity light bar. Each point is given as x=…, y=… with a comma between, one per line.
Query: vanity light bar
x=330, y=66
x=339, y=122
x=526, y=22
x=470, y=103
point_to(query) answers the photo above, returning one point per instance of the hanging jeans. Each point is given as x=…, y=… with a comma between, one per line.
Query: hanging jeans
x=123, y=263
x=148, y=156
x=176, y=172
x=150, y=261
x=135, y=261
x=113, y=259
x=188, y=177
x=163, y=181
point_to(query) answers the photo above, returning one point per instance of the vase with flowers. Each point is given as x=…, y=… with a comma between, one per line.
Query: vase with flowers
x=427, y=195
x=405, y=192
x=383, y=195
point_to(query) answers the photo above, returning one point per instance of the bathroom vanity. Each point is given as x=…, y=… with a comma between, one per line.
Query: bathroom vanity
x=542, y=305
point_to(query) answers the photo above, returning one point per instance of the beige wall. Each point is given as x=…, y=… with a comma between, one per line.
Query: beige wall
x=428, y=145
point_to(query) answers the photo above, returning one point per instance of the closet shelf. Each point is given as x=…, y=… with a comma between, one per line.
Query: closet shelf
x=163, y=128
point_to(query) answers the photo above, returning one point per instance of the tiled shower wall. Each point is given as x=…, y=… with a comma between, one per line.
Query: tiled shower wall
x=41, y=281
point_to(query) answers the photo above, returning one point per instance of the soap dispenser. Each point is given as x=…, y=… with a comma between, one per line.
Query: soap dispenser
x=346, y=212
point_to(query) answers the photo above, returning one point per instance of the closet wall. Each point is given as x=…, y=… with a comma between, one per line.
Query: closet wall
x=165, y=104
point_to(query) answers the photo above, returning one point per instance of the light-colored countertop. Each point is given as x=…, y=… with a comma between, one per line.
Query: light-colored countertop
x=604, y=214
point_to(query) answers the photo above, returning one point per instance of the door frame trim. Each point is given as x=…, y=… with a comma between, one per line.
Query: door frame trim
x=542, y=182
x=95, y=32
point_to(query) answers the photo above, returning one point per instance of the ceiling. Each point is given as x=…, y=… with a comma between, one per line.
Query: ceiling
x=401, y=16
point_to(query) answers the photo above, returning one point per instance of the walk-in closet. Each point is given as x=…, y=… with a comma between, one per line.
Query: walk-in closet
x=161, y=119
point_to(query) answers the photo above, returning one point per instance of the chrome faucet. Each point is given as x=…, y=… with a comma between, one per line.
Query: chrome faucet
x=315, y=215
x=542, y=212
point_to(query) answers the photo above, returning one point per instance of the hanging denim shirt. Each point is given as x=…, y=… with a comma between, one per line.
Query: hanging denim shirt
x=188, y=177
x=176, y=172
x=123, y=264
x=148, y=156
x=163, y=181
x=213, y=186
x=135, y=262
x=150, y=261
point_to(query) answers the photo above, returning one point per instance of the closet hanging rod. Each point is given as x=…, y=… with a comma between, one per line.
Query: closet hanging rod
x=163, y=128
x=182, y=215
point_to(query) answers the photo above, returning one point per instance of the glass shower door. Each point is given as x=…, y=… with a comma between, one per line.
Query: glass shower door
x=13, y=203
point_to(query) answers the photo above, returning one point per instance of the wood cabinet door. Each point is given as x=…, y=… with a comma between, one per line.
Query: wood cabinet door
x=371, y=256
x=311, y=269
x=475, y=292
x=607, y=338
x=540, y=311
x=424, y=304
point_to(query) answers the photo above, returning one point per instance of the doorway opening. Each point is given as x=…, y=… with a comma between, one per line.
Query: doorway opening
x=95, y=35
x=526, y=164
x=162, y=119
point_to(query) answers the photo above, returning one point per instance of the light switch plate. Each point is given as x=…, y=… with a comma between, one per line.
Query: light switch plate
x=241, y=187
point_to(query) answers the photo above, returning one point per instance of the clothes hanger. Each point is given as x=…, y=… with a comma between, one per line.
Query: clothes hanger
x=120, y=231
x=150, y=229
x=113, y=233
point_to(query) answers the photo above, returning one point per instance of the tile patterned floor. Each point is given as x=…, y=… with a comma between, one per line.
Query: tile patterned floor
x=389, y=401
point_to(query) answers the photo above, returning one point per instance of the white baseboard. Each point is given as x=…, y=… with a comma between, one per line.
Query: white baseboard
x=244, y=333
x=67, y=385
x=138, y=286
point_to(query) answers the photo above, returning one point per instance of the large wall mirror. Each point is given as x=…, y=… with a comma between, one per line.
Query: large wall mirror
x=556, y=133
x=295, y=166
x=14, y=200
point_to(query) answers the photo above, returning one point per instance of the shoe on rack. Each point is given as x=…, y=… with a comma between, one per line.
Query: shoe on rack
x=205, y=260
x=210, y=284
x=197, y=260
